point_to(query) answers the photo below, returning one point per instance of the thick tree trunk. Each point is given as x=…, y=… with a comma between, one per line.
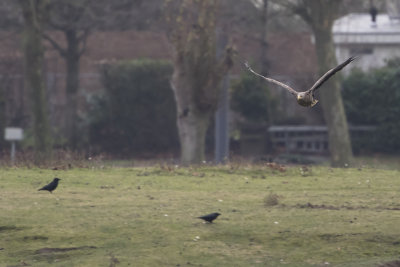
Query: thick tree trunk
x=264, y=54
x=320, y=15
x=332, y=103
x=264, y=43
x=197, y=74
x=2, y=114
x=33, y=14
x=192, y=123
x=192, y=135
x=72, y=54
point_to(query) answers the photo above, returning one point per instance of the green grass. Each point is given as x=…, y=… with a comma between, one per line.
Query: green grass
x=380, y=161
x=146, y=217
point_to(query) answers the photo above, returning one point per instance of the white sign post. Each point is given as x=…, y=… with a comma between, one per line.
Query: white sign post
x=13, y=134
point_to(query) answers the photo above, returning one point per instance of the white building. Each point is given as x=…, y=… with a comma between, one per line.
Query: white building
x=374, y=42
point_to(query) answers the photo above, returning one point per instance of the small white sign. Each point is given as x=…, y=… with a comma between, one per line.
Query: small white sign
x=13, y=134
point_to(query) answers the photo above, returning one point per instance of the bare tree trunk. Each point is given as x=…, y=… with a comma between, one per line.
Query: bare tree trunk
x=76, y=44
x=72, y=57
x=192, y=123
x=34, y=14
x=74, y=18
x=263, y=54
x=320, y=15
x=264, y=43
x=197, y=74
x=332, y=103
x=2, y=112
x=192, y=135
x=221, y=132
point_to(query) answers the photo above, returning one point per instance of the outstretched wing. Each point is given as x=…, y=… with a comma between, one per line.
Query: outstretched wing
x=329, y=74
x=291, y=90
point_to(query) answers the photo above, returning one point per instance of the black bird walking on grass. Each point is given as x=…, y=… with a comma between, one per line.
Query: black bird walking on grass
x=51, y=186
x=210, y=217
x=306, y=98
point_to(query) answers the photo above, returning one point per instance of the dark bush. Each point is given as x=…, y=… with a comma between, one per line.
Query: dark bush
x=136, y=115
x=250, y=98
x=373, y=98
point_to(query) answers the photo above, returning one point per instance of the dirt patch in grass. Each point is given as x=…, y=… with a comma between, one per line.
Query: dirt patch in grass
x=53, y=250
x=395, y=263
x=20, y=265
x=316, y=206
x=9, y=228
x=113, y=261
x=35, y=237
x=388, y=208
x=308, y=205
x=50, y=255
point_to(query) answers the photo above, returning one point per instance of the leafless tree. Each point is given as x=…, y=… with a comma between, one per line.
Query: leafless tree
x=77, y=20
x=197, y=72
x=73, y=19
x=320, y=15
x=34, y=15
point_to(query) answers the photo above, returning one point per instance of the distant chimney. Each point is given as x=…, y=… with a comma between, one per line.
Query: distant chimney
x=373, y=11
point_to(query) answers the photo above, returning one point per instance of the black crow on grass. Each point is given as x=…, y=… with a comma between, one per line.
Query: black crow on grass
x=210, y=217
x=51, y=186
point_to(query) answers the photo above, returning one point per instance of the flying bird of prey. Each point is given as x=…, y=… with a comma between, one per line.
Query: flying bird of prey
x=210, y=217
x=306, y=98
x=51, y=186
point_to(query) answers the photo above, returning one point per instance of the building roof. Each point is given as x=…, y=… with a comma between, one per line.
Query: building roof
x=359, y=28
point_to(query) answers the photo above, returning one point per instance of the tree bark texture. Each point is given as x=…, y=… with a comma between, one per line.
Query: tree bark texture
x=72, y=57
x=197, y=74
x=34, y=13
x=76, y=44
x=2, y=113
x=264, y=39
x=320, y=16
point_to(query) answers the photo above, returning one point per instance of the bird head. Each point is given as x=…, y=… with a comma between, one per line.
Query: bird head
x=57, y=179
x=305, y=99
x=300, y=96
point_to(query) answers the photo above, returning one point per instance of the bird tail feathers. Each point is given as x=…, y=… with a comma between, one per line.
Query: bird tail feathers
x=315, y=101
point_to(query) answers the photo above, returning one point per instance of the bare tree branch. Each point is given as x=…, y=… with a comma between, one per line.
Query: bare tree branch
x=62, y=51
x=83, y=40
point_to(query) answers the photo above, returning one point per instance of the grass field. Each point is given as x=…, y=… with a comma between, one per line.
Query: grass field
x=147, y=216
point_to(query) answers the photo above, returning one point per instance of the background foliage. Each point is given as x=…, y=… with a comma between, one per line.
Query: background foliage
x=372, y=98
x=137, y=112
x=251, y=98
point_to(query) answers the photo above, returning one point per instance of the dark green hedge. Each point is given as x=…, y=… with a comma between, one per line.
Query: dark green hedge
x=250, y=98
x=373, y=98
x=137, y=114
